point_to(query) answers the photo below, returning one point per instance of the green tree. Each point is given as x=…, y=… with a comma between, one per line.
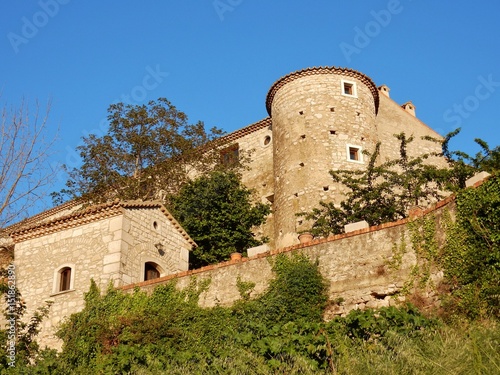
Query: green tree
x=462, y=166
x=487, y=159
x=217, y=212
x=146, y=153
x=385, y=192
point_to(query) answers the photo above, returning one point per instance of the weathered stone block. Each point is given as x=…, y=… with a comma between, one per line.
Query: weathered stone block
x=356, y=226
x=258, y=250
x=476, y=178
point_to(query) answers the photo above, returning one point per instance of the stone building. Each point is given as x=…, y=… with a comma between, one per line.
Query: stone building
x=117, y=243
x=320, y=119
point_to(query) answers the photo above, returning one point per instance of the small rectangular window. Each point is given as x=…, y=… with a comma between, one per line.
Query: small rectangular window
x=349, y=88
x=354, y=153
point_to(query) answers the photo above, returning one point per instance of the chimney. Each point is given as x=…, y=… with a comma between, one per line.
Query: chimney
x=384, y=90
x=410, y=108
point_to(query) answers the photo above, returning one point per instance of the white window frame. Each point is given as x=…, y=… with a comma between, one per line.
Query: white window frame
x=57, y=279
x=360, y=153
x=354, y=88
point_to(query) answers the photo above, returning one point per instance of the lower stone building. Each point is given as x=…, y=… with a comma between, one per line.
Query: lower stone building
x=58, y=253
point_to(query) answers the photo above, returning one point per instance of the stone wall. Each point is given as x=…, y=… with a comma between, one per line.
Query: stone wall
x=314, y=124
x=148, y=236
x=393, y=119
x=256, y=151
x=359, y=267
x=87, y=249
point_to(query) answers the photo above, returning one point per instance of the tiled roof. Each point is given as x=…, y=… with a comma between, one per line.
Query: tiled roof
x=42, y=216
x=87, y=215
x=321, y=70
x=231, y=137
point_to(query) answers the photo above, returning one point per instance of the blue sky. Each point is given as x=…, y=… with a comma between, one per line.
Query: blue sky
x=216, y=60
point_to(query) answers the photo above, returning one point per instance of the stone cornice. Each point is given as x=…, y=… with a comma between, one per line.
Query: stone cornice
x=89, y=215
x=321, y=70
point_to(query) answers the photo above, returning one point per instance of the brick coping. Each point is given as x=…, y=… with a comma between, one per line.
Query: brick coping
x=314, y=242
x=321, y=70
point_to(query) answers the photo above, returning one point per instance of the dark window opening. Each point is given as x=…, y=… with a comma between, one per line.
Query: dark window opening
x=348, y=88
x=230, y=155
x=353, y=153
x=151, y=271
x=65, y=279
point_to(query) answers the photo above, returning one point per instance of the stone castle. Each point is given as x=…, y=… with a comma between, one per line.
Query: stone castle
x=320, y=119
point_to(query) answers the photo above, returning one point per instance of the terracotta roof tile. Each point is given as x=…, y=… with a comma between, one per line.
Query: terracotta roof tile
x=33, y=229
x=231, y=137
x=321, y=70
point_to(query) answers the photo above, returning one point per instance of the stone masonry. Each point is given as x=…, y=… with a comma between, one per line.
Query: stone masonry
x=357, y=266
x=110, y=243
x=321, y=119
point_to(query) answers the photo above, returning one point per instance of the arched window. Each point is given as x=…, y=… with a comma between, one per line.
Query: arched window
x=151, y=271
x=64, y=279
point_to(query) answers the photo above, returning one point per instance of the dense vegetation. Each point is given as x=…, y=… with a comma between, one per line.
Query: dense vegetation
x=282, y=331
x=471, y=255
x=278, y=332
x=216, y=210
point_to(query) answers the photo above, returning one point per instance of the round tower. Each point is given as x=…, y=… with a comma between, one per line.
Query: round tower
x=322, y=119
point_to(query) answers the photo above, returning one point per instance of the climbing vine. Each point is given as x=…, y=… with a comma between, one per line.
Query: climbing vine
x=424, y=241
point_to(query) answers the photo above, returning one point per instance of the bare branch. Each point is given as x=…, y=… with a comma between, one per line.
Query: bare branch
x=25, y=173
